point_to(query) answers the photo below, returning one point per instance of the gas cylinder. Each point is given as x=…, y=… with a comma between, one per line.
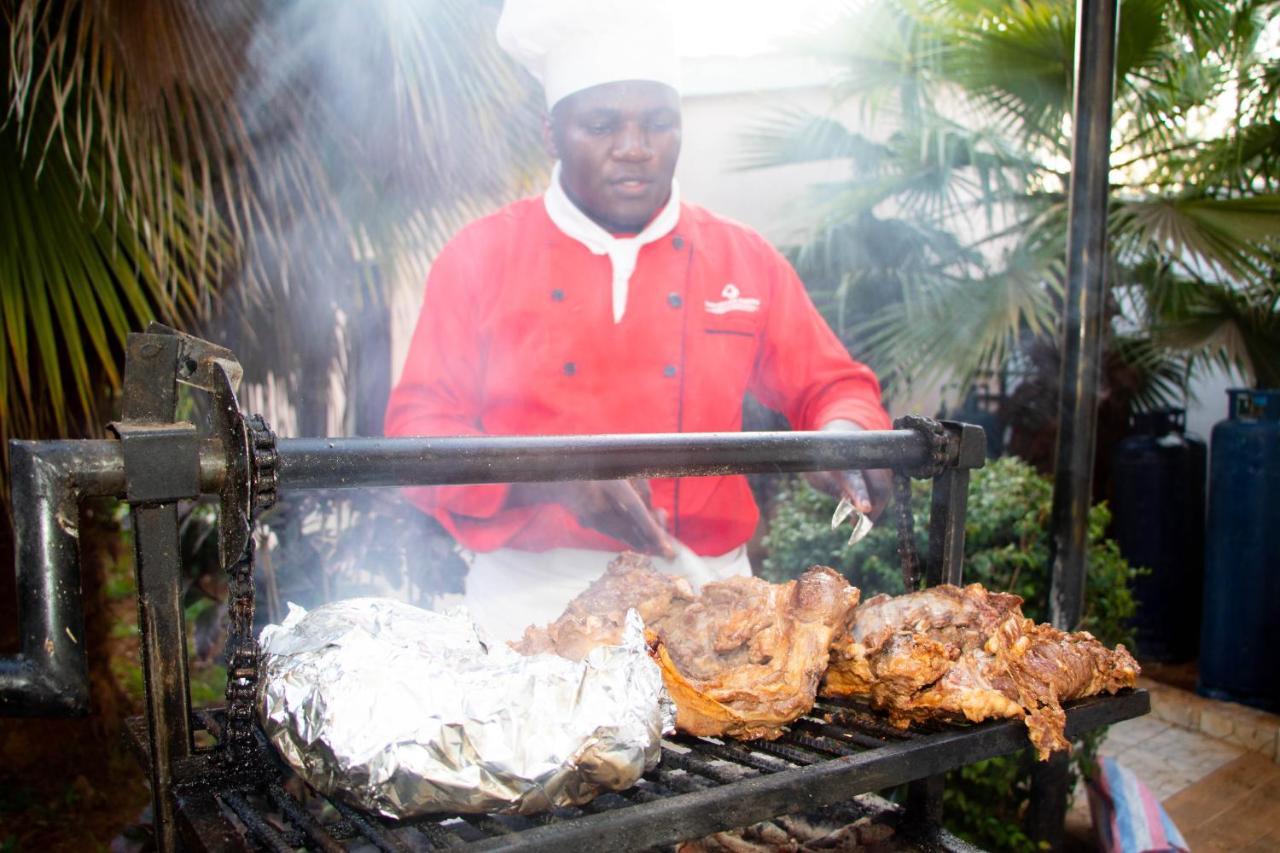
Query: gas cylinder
x=1158, y=520
x=1238, y=649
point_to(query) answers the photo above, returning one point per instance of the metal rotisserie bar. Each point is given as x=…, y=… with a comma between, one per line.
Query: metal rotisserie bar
x=327, y=463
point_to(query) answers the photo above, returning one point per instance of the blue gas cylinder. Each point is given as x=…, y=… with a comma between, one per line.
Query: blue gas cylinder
x=1157, y=504
x=1241, y=616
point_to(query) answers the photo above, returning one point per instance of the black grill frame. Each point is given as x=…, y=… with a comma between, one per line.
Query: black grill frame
x=217, y=798
x=701, y=786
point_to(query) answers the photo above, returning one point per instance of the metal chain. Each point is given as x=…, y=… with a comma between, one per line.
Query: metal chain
x=242, y=660
x=263, y=442
x=936, y=435
x=243, y=653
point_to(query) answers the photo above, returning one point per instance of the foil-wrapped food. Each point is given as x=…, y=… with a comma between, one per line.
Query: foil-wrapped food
x=405, y=712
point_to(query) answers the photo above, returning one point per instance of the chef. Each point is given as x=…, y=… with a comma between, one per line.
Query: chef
x=608, y=304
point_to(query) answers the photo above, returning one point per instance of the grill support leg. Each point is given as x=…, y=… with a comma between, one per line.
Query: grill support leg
x=161, y=461
x=924, y=805
x=948, y=504
x=1047, y=813
x=164, y=655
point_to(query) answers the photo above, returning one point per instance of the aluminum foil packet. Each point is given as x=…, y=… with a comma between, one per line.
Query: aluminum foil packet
x=404, y=712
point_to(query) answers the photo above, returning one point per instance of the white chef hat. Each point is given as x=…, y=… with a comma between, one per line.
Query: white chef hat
x=571, y=45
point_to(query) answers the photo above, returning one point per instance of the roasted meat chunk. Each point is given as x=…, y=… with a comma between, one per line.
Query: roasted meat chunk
x=899, y=645
x=746, y=657
x=742, y=659
x=948, y=652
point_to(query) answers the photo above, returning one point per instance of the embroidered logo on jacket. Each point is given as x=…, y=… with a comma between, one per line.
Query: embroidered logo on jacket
x=732, y=300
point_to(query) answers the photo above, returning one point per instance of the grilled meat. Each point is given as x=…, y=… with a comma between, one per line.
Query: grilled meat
x=948, y=652
x=746, y=658
x=741, y=660
x=897, y=646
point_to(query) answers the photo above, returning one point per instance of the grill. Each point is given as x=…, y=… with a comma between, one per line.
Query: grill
x=218, y=785
x=701, y=786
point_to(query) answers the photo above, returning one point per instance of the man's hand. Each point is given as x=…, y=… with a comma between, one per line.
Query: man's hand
x=869, y=490
x=618, y=508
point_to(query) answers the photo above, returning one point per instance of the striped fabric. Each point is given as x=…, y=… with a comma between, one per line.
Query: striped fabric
x=1126, y=815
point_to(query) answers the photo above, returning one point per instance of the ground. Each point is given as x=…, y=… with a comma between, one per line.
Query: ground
x=1213, y=766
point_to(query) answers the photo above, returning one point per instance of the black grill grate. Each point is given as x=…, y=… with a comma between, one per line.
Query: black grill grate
x=701, y=786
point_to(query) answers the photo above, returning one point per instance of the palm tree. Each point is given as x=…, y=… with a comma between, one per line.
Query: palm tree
x=235, y=167
x=953, y=231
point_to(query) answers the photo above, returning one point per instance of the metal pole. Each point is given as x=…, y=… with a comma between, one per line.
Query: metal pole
x=1096, y=28
x=155, y=480
x=50, y=676
x=334, y=463
x=1085, y=299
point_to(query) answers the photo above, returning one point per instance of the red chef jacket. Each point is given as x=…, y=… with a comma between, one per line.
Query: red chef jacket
x=516, y=337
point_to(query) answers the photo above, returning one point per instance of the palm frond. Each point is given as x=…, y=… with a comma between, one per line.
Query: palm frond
x=940, y=173
x=955, y=328
x=894, y=69
x=1153, y=288
x=799, y=136
x=1190, y=210
x=135, y=100
x=1017, y=59
x=1158, y=375
x=855, y=270
x=1246, y=160
x=1206, y=22
x=72, y=286
x=1230, y=329
x=1230, y=235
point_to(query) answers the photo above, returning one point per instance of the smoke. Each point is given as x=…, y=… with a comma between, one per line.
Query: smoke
x=369, y=132
x=365, y=134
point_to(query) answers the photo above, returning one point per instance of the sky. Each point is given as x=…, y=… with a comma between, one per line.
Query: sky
x=752, y=27
x=747, y=27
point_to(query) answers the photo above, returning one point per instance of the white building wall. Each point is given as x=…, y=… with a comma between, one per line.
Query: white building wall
x=1208, y=403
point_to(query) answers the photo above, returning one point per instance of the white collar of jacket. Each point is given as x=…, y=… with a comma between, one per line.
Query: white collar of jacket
x=622, y=251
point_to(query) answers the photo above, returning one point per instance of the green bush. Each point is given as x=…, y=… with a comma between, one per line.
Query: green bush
x=1007, y=549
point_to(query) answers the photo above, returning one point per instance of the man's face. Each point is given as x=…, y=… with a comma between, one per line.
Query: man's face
x=618, y=144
